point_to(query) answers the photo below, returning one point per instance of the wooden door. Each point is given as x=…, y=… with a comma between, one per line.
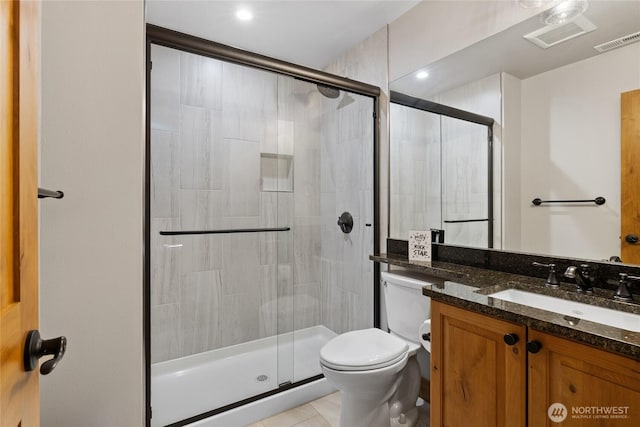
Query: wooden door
x=596, y=388
x=630, y=177
x=477, y=379
x=18, y=209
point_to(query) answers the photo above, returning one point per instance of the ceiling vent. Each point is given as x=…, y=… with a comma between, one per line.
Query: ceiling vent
x=622, y=41
x=551, y=35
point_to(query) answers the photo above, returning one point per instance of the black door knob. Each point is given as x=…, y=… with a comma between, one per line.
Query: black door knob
x=631, y=238
x=511, y=339
x=35, y=347
x=534, y=346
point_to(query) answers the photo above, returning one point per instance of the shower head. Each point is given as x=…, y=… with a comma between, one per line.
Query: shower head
x=328, y=91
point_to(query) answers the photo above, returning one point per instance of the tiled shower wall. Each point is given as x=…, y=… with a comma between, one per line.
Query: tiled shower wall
x=347, y=186
x=211, y=121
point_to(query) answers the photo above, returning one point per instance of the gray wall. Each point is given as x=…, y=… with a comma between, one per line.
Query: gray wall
x=91, y=242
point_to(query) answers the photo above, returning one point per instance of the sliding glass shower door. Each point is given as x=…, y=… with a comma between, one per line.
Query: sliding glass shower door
x=250, y=274
x=465, y=182
x=441, y=173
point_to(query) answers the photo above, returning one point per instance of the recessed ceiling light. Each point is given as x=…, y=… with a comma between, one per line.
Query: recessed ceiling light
x=244, y=15
x=422, y=75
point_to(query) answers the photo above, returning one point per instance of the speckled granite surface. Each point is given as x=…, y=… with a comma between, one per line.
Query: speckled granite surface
x=605, y=272
x=468, y=287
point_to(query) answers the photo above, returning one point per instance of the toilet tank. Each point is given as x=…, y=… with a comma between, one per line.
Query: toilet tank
x=406, y=307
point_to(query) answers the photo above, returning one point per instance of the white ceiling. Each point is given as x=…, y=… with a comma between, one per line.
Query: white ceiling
x=305, y=32
x=509, y=52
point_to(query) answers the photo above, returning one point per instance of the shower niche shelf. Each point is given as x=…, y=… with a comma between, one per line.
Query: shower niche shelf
x=276, y=172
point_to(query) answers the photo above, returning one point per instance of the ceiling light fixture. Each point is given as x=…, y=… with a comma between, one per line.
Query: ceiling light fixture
x=564, y=12
x=244, y=15
x=529, y=4
x=422, y=75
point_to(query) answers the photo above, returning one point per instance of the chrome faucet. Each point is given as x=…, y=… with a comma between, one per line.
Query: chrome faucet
x=582, y=276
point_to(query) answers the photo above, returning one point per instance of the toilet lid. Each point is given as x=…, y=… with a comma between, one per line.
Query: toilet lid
x=361, y=350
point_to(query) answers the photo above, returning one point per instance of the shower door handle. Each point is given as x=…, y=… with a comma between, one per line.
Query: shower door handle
x=35, y=347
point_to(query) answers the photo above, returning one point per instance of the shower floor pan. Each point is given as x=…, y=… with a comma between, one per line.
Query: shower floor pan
x=191, y=385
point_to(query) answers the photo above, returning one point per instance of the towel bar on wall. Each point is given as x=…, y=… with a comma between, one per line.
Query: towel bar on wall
x=598, y=201
x=236, y=230
x=457, y=221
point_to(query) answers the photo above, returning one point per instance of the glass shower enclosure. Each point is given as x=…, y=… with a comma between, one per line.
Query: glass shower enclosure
x=441, y=171
x=249, y=273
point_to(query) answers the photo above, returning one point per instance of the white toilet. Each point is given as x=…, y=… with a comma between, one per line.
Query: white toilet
x=377, y=372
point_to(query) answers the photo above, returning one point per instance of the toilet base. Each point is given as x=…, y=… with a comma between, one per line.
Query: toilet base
x=402, y=406
x=365, y=394
x=361, y=413
x=407, y=419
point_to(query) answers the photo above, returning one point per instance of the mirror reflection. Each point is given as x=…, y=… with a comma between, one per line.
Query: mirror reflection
x=557, y=131
x=444, y=171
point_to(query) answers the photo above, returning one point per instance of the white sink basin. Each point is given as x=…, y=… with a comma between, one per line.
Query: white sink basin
x=605, y=316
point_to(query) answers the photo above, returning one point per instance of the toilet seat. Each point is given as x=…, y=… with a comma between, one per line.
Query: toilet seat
x=363, y=350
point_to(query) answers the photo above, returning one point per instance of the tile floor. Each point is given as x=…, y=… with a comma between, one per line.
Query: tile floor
x=324, y=412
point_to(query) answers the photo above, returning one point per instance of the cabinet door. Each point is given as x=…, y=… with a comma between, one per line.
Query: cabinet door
x=586, y=386
x=477, y=379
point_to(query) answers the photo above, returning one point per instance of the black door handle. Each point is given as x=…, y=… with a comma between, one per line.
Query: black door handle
x=631, y=238
x=534, y=346
x=36, y=347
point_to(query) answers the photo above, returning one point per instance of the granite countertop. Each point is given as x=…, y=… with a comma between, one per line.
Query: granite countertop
x=469, y=287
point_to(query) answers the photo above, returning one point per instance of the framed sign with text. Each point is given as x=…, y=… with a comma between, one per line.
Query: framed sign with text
x=420, y=245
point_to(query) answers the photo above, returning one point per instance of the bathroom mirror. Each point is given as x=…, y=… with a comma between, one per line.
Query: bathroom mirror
x=444, y=171
x=557, y=125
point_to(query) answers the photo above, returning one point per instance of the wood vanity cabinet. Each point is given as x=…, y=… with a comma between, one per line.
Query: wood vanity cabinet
x=598, y=388
x=478, y=379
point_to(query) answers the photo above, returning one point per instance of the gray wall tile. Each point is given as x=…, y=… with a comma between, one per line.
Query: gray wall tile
x=165, y=263
x=200, y=253
x=165, y=174
x=165, y=88
x=242, y=178
x=200, y=303
x=200, y=210
x=200, y=81
x=165, y=332
x=240, y=328
x=201, y=149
